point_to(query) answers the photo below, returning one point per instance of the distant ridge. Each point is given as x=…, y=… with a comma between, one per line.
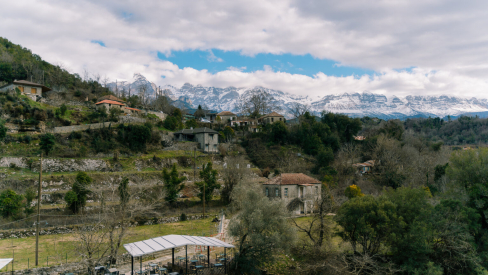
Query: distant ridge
x=352, y=104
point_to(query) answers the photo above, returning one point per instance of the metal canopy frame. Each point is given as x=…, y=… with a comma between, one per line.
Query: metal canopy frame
x=149, y=246
x=5, y=262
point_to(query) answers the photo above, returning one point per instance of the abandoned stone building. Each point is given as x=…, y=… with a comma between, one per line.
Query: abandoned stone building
x=296, y=189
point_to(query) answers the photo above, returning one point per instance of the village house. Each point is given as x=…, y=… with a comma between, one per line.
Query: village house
x=365, y=167
x=271, y=118
x=113, y=98
x=30, y=89
x=132, y=111
x=297, y=190
x=109, y=104
x=226, y=116
x=208, y=139
x=249, y=123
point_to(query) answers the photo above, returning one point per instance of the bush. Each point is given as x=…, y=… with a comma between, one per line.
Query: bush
x=77, y=93
x=10, y=203
x=266, y=172
x=183, y=217
x=27, y=139
x=353, y=191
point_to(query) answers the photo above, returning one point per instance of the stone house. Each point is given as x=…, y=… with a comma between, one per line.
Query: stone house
x=113, y=98
x=30, y=89
x=109, y=104
x=208, y=139
x=299, y=191
x=248, y=123
x=271, y=118
x=132, y=111
x=227, y=116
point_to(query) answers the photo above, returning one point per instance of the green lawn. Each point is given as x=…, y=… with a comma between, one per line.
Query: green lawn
x=57, y=249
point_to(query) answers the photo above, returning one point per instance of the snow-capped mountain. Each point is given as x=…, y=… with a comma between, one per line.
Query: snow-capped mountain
x=352, y=104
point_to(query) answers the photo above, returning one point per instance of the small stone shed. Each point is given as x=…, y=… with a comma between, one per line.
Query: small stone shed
x=207, y=138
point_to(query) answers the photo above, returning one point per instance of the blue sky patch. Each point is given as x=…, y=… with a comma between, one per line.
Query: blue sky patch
x=217, y=60
x=99, y=42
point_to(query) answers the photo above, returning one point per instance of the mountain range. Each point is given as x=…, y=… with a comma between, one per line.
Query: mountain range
x=352, y=104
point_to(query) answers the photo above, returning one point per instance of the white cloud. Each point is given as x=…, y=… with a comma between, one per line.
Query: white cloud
x=444, y=40
x=212, y=58
x=240, y=69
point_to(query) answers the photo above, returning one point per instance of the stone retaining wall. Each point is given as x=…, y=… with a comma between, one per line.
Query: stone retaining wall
x=70, y=229
x=57, y=165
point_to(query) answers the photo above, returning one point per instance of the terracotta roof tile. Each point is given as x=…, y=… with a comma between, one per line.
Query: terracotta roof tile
x=272, y=114
x=110, y=102
x=111, y=97
x=292, y=179
x=226, y=113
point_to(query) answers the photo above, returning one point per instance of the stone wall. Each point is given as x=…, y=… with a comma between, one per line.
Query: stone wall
x=76, y=128
x=70, y=229
x=57, y=165
x=161, y=116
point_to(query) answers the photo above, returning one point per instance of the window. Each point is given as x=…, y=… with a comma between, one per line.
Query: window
x=277, y=192
x=272, y=119
x=286, y=192
x=33, y=90
x=316, y=189
x=267, y=192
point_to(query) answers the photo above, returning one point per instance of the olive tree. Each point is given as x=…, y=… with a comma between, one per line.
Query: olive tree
x=260, y=227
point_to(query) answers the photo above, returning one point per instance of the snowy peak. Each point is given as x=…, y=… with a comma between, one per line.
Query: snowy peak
x=353, y=104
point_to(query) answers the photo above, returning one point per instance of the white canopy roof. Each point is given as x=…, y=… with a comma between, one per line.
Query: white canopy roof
x=4, y=262
x=171, y=241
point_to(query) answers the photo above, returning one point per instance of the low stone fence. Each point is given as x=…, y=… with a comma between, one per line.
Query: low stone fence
x=57, y=165
x=70, y=229
x=76, y=128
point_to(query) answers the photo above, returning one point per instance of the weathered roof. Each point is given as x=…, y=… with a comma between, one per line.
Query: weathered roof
x=133, y=109
x=171, y=241
x=111, y=97
x=28, y=83
x=226, y=113
x=196, y=131
x=272, y=114
x=369, y=163
x=292, y=179
x=110, y=102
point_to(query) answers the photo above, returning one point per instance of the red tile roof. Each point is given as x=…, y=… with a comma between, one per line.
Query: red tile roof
x=111, y=97
x=272, y=114
x=133, y=109
x=110, y=102
x=226, y=113
x=292, y=179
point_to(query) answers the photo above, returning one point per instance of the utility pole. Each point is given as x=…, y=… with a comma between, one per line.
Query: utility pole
x=38, y=213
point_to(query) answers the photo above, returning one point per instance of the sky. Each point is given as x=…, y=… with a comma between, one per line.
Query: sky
x=313, y=47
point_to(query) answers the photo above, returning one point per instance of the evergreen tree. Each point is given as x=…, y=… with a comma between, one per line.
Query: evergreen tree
x=47, y=143
x=76, y=198
x=172, y=184
x=209, y=177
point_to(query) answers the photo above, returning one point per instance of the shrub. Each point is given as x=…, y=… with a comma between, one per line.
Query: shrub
x=183, y=217
x=77, y=93
x=10, y=203
x=266, y=172
x=353, y=191
x=27, y=139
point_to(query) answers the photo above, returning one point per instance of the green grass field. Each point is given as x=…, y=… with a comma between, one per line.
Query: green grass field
x=57, y=249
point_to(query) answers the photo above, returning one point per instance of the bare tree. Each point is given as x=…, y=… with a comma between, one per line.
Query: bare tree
x=256, y=103
x=319, y=227
x=105, y=81
x=91, y=243
x=297, y=109
x=234, y=173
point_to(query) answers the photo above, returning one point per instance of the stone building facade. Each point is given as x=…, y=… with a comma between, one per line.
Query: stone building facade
x=299, y=191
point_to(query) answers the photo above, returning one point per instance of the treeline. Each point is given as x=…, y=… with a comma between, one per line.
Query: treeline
x=461, y=131
x=20, y=63
x=278, y=142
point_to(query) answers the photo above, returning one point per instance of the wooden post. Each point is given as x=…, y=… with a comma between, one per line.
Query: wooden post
x=38, y=212
x=208, y=256
x=186, y=257
x=132, y=266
